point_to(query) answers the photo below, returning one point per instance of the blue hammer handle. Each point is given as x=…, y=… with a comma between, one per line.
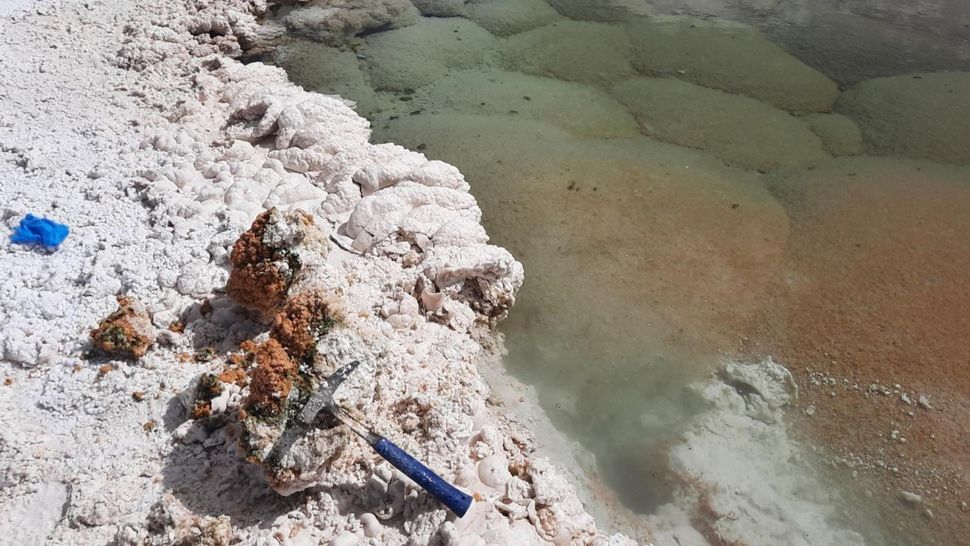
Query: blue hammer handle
x=449, y=495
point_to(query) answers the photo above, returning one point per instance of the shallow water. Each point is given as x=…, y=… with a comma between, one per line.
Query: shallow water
x=681, y=195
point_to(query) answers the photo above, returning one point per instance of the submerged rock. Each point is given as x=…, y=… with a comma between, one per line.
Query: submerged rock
x=571, y=50
x=126, y=333
x=582, y=110
x=407, y=58
x=601, y=10
x=440, y=8
x=739, y=130
x=921, y=116
x=336, y=21
x=840, y=135
x=730, y=57
x=324, y=69
x=507, y=17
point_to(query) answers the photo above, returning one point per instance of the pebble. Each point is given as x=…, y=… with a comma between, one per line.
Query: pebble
x=372, y=527
x=810, y=411
x=911, y=498
x=493, y=471
x=924, y=402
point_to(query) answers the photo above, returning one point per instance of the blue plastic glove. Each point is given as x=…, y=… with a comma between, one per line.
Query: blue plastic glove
x=33, y=230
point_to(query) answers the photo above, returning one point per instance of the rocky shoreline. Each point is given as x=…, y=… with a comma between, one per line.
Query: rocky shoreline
x=170, y=159
x=204, y=144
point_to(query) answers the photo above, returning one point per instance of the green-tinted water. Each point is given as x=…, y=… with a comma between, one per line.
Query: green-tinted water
x=683, y=191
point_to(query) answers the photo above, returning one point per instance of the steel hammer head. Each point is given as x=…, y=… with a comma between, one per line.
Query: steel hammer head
x=323, y=398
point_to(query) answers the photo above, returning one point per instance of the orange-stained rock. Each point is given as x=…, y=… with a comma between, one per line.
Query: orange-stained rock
x=257, y=279
x=263, y=265
x=126, y=333
x=271, y=380
x=302, y=321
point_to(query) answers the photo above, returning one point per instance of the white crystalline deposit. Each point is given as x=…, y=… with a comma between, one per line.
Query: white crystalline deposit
x=746, y=480
x=130, y=122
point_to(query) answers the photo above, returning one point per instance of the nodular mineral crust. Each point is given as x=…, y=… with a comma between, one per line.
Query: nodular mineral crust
x=126, y=333
x=263, y=262
x=271, y=380
x=303, y=320
x=276, y=269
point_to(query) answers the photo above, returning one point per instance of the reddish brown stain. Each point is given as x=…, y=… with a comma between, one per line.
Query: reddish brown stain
x=301, y=322
x=874, y=290
x=271, y=380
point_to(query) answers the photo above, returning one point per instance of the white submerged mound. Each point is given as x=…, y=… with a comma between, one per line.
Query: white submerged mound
x=582, y=110
x=601, y=10
x=594, y=53
x=177, y=150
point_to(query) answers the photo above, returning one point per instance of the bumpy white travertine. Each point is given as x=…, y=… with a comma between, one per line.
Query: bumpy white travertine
x=418, y=290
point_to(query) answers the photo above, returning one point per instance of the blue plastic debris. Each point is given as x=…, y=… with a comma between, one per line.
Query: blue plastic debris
x=33, y=230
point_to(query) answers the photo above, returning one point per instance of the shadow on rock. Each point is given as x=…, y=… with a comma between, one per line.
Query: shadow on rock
x=210, y=479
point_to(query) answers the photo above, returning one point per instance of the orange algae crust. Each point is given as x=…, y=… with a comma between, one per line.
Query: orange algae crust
x=234, y=375
x=260, y=274
x=271, y=380
x=303, y=320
